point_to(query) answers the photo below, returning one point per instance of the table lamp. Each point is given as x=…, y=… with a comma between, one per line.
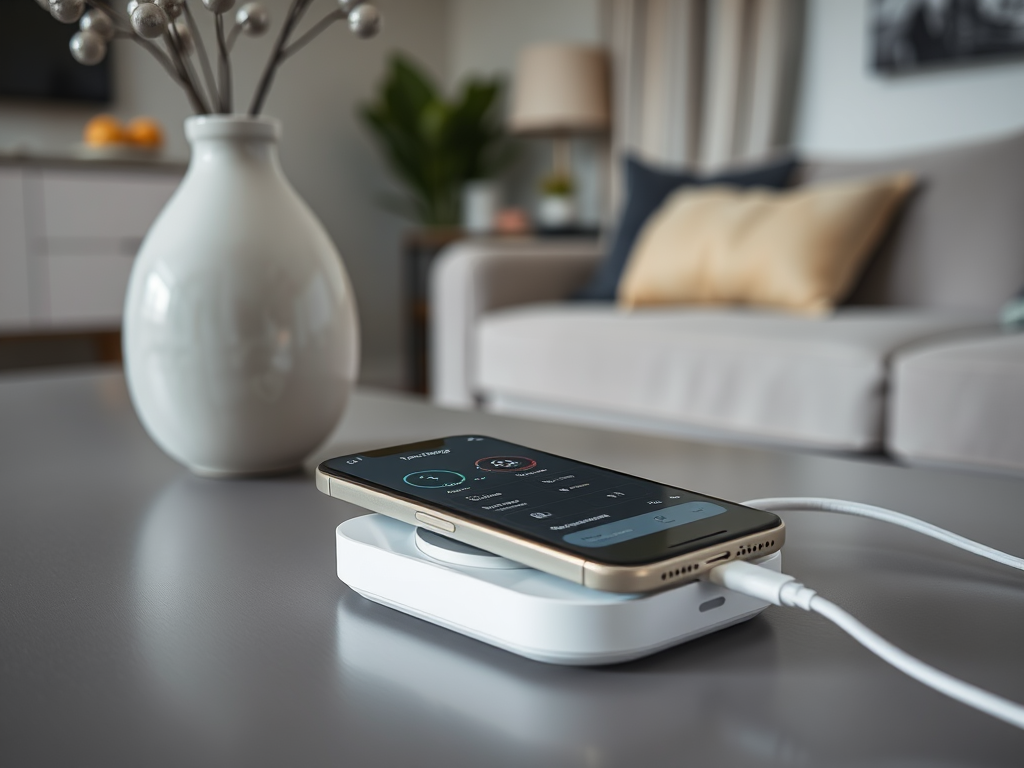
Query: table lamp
x=560, y=90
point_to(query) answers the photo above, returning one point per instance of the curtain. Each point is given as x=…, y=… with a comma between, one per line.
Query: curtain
x=701, y=83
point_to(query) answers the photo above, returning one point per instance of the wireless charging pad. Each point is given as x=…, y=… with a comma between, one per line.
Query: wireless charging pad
x=522, y=610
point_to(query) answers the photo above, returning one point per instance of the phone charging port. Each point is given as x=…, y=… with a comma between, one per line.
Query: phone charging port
x=718, y=558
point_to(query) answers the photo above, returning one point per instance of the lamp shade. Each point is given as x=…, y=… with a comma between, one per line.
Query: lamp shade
x=560, y=89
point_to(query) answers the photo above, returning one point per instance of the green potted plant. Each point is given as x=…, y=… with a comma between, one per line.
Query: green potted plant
x=436, y=145
x=557, y=207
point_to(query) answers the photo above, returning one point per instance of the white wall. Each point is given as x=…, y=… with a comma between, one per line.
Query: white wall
x=486, y=37
x=845, y=108
x=326, y=152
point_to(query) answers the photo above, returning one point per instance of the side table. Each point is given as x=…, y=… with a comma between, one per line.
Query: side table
x=419, y=249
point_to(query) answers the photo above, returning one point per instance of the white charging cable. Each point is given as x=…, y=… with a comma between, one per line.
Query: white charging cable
x=780, y=589
x=857, y=509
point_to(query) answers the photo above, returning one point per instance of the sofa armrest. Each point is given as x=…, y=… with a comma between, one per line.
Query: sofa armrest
x=472, y=277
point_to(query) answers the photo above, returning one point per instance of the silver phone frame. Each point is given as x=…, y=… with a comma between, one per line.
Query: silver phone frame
x=648, y=577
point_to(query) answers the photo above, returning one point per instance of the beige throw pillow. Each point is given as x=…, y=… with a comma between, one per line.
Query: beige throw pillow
x=799, y=249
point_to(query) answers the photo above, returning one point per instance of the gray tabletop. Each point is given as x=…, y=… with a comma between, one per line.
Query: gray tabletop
x=148, y=617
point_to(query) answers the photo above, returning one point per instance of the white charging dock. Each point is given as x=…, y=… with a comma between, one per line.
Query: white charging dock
x=523, y=610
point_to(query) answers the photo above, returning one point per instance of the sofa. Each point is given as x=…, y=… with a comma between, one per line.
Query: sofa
x=912, y=364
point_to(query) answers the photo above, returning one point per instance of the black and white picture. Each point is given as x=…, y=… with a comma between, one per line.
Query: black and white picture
x=909, y=35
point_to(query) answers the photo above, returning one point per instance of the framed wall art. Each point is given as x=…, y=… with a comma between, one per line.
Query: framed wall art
x=913, y=35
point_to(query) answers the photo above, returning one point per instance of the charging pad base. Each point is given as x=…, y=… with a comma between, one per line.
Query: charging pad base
x=522, y=610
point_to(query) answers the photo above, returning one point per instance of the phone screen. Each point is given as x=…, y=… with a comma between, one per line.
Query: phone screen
x=597, y=513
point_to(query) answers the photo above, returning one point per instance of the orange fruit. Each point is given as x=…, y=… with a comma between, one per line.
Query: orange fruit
x=102, y=131
x=145, y=132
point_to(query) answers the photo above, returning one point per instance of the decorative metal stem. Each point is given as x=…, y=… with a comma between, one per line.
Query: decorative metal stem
x=190, y=89
x=206, y=89
x=204, y=59
x=315, y=30
x=159, y=55
x=125, y=31
x=209, y=99
x=294, y=13
x=301, y=10
x=225, y=66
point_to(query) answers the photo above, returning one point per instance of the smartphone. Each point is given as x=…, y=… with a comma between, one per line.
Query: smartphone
x=604, y=529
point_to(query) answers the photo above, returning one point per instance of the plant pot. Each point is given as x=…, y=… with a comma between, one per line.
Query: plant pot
x=556, y=211
x=240, y=329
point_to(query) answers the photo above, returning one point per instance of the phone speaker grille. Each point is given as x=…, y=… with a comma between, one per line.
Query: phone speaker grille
x=677, y=572
x=751, y=549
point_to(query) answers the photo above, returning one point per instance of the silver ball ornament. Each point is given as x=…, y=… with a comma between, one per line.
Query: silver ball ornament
x=132, y=5
x=88, y=47
x=67, y=11
x=98, y=22
x=149, y=21
x=184, y=37
x=349, y=5
x=253, y=19
x=219, y=6
x=172, y=8
x=364, y=21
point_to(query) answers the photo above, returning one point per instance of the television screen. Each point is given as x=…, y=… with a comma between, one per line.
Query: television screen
x=35, y=61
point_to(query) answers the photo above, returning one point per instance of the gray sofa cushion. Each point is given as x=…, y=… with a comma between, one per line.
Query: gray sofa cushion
x=960, y=402
x=960, y=240
x=819, y=382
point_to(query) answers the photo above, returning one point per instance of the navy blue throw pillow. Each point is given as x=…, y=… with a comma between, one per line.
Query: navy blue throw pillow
x=646, y=190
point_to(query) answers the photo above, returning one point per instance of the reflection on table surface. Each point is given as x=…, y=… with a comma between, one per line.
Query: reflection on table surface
x=152, y=618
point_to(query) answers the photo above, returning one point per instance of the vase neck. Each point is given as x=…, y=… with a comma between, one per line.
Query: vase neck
x=231, y=139
x=207, y=152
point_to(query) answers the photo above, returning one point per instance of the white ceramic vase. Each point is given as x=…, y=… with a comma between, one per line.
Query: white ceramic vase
x=240, y=329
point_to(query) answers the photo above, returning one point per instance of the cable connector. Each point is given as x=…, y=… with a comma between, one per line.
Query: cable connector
x=780, y=589
x=763, y=584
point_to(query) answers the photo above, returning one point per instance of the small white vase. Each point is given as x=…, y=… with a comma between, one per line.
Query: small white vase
x=240, y=331
x=479, y=206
